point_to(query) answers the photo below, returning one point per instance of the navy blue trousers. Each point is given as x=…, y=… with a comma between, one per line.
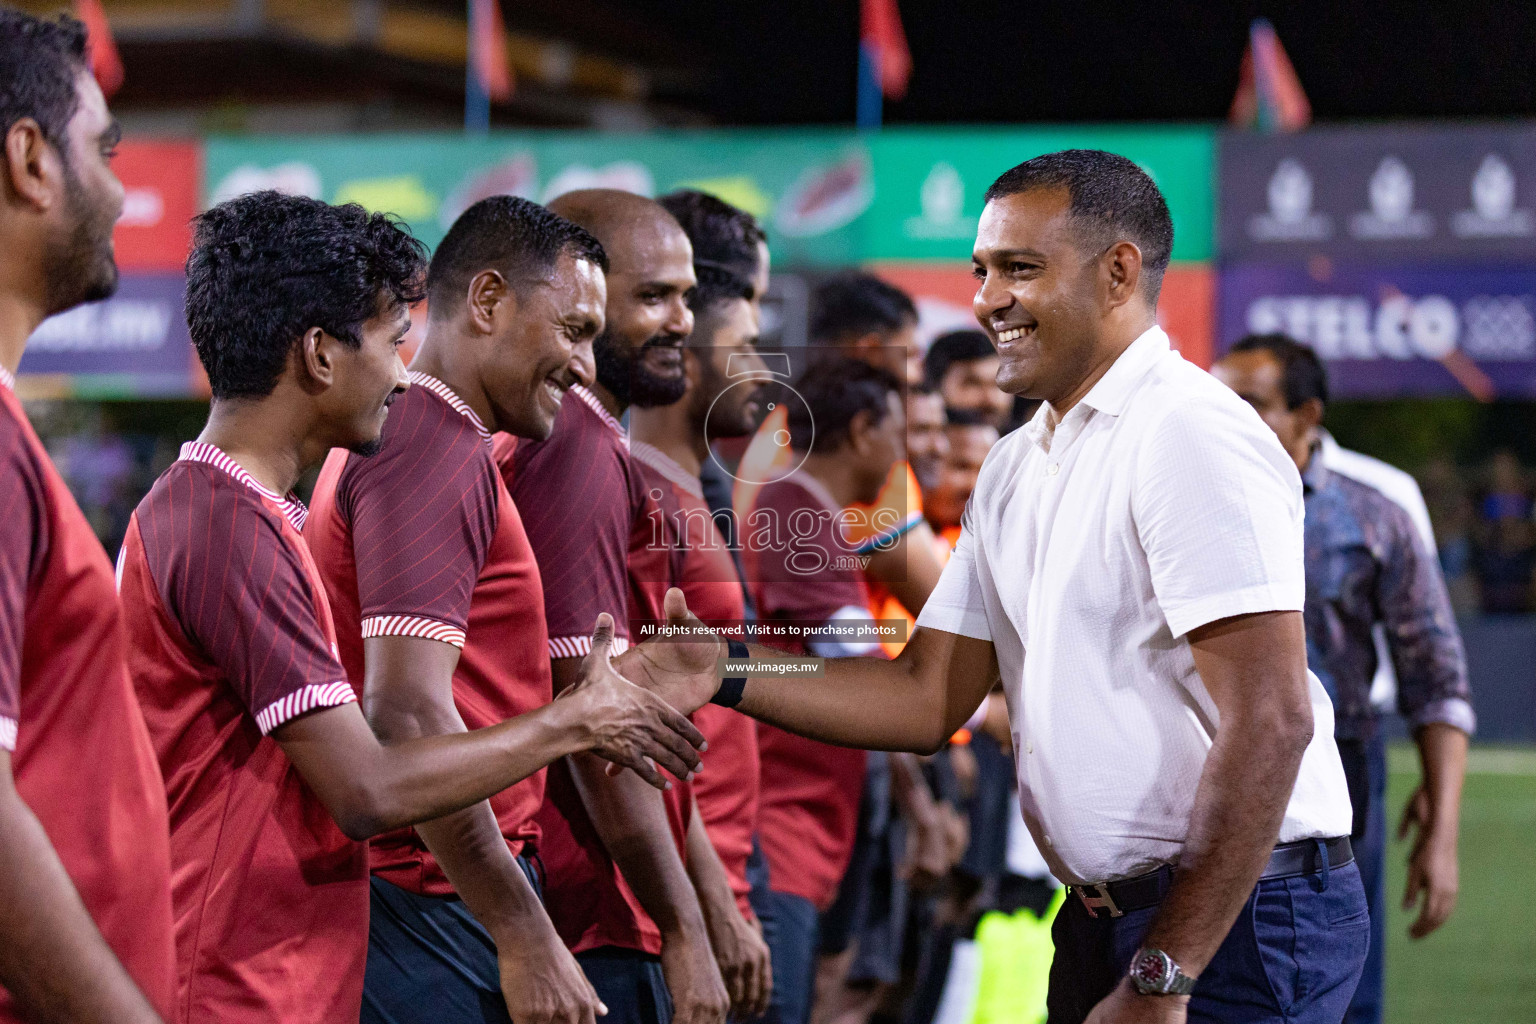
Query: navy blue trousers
x=430, y=960
x=1294, y=955
x=630, y=983
x=1370, y=844
x=790, y=927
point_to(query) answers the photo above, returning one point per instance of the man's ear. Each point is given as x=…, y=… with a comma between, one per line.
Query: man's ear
x=488, y=297
x=1311, y=412
x=33, y=169
x=1122, y=272
x=860, y=429
x=318, y=352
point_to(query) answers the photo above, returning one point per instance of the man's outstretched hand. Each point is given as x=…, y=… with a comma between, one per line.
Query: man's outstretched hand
x=681, y=672
x=627, y=724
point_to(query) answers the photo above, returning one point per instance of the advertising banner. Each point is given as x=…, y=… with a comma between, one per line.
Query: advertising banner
x=826, y=197
x=161, y=194
x=1391, y=332
x=134, y=344
x=810, y=189
x=1389, y=193
x=929, y=183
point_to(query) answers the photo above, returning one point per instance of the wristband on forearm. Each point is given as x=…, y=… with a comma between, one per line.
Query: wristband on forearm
x=732, y=687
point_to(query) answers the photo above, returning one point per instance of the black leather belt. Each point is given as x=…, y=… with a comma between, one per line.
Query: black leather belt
x=1288, y=861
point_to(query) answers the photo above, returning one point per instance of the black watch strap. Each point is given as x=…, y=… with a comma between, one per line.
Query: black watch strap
x=732, y=687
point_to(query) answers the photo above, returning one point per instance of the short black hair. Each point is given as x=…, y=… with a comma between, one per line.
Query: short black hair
x=852, y=304
x=724, y=237
x=1301, y=371
x=834, y=392
x=40, y=59
x=520, y=238
x=1115, y=197
x=955, y=347
x=266, y=267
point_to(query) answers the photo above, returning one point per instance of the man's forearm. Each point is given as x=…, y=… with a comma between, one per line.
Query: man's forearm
x=631, y=819
x=1239, y=804
x=914, y=703
x=468, y=844
x=53, y=960
x=1443, y=757
x=474, y=855
x=708, y=874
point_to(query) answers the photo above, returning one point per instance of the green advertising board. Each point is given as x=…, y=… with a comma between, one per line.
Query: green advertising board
x=827, y=197
x=929, y=182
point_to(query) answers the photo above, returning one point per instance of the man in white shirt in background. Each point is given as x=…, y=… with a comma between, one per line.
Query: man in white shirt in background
x=1131, y=566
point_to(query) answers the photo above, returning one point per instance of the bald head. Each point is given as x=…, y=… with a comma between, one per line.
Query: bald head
x=650, y=276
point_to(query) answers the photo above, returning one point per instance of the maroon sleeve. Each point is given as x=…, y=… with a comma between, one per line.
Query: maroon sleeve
x=21, y=544
x=237, y=588
x=422, y=514
x=578, y=497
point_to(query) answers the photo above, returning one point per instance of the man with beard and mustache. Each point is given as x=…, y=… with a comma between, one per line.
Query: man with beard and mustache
x=684, y=547
x=274, y=776
x=439, y=607
x=642, y=937
x=84, y=861
x=1131, y=567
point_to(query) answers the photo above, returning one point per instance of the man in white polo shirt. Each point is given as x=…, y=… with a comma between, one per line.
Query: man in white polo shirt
x=1131, y=564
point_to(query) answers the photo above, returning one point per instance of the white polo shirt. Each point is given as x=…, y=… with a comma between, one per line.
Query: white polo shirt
x=1160, y=502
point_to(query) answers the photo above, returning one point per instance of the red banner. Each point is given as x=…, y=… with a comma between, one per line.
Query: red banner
x=161, y=188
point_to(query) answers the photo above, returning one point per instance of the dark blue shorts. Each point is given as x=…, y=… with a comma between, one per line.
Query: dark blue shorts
x=1294, y=955
x=429, y=960
x=789, y=928
x=630, y=983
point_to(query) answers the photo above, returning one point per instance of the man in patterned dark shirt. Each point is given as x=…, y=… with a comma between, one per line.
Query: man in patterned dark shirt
x=1366, y=564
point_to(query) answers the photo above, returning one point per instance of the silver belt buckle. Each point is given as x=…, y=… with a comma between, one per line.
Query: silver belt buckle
x=1100, y=900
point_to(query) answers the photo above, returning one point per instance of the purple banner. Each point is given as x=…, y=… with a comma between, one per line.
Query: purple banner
x=136, y=341
x=1389, y=332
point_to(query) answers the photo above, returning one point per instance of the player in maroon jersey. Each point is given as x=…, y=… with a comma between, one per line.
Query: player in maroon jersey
x=640, y=938
x=273, y=774
x=685, y=548
x=802, y=573
x=85, y=934
x=440, y=608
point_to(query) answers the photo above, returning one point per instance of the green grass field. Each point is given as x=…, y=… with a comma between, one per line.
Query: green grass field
x=1480, y=968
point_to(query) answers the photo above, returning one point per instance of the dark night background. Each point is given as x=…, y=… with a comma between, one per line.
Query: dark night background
x=769, y=63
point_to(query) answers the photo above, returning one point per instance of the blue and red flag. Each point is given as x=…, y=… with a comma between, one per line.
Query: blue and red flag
x=885, y=63
x=1269, y=95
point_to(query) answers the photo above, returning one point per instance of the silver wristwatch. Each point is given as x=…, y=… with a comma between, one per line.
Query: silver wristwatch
x=1154, y=973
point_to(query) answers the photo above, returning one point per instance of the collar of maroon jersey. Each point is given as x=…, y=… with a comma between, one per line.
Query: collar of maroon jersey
x=450, y=396
x=7, y=378
x=667, y=466
x=292, y=508
x=597, y=406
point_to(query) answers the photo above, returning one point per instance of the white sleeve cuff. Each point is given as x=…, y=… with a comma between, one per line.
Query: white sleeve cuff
x=1214, y=607
x=581, y=646
x=413, y=625
x=315, y=695
x=7, y=733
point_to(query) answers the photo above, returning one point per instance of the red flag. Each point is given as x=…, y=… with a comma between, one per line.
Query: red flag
x=882, y=37
x=488, y=49
x=1269, y=95
x=101, y=48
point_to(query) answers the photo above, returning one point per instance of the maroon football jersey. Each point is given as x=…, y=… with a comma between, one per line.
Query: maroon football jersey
x=80, y=754
x=231, y=637
x=684, y=548
x=809, y=804
x=582, y=499
x=423, y=540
